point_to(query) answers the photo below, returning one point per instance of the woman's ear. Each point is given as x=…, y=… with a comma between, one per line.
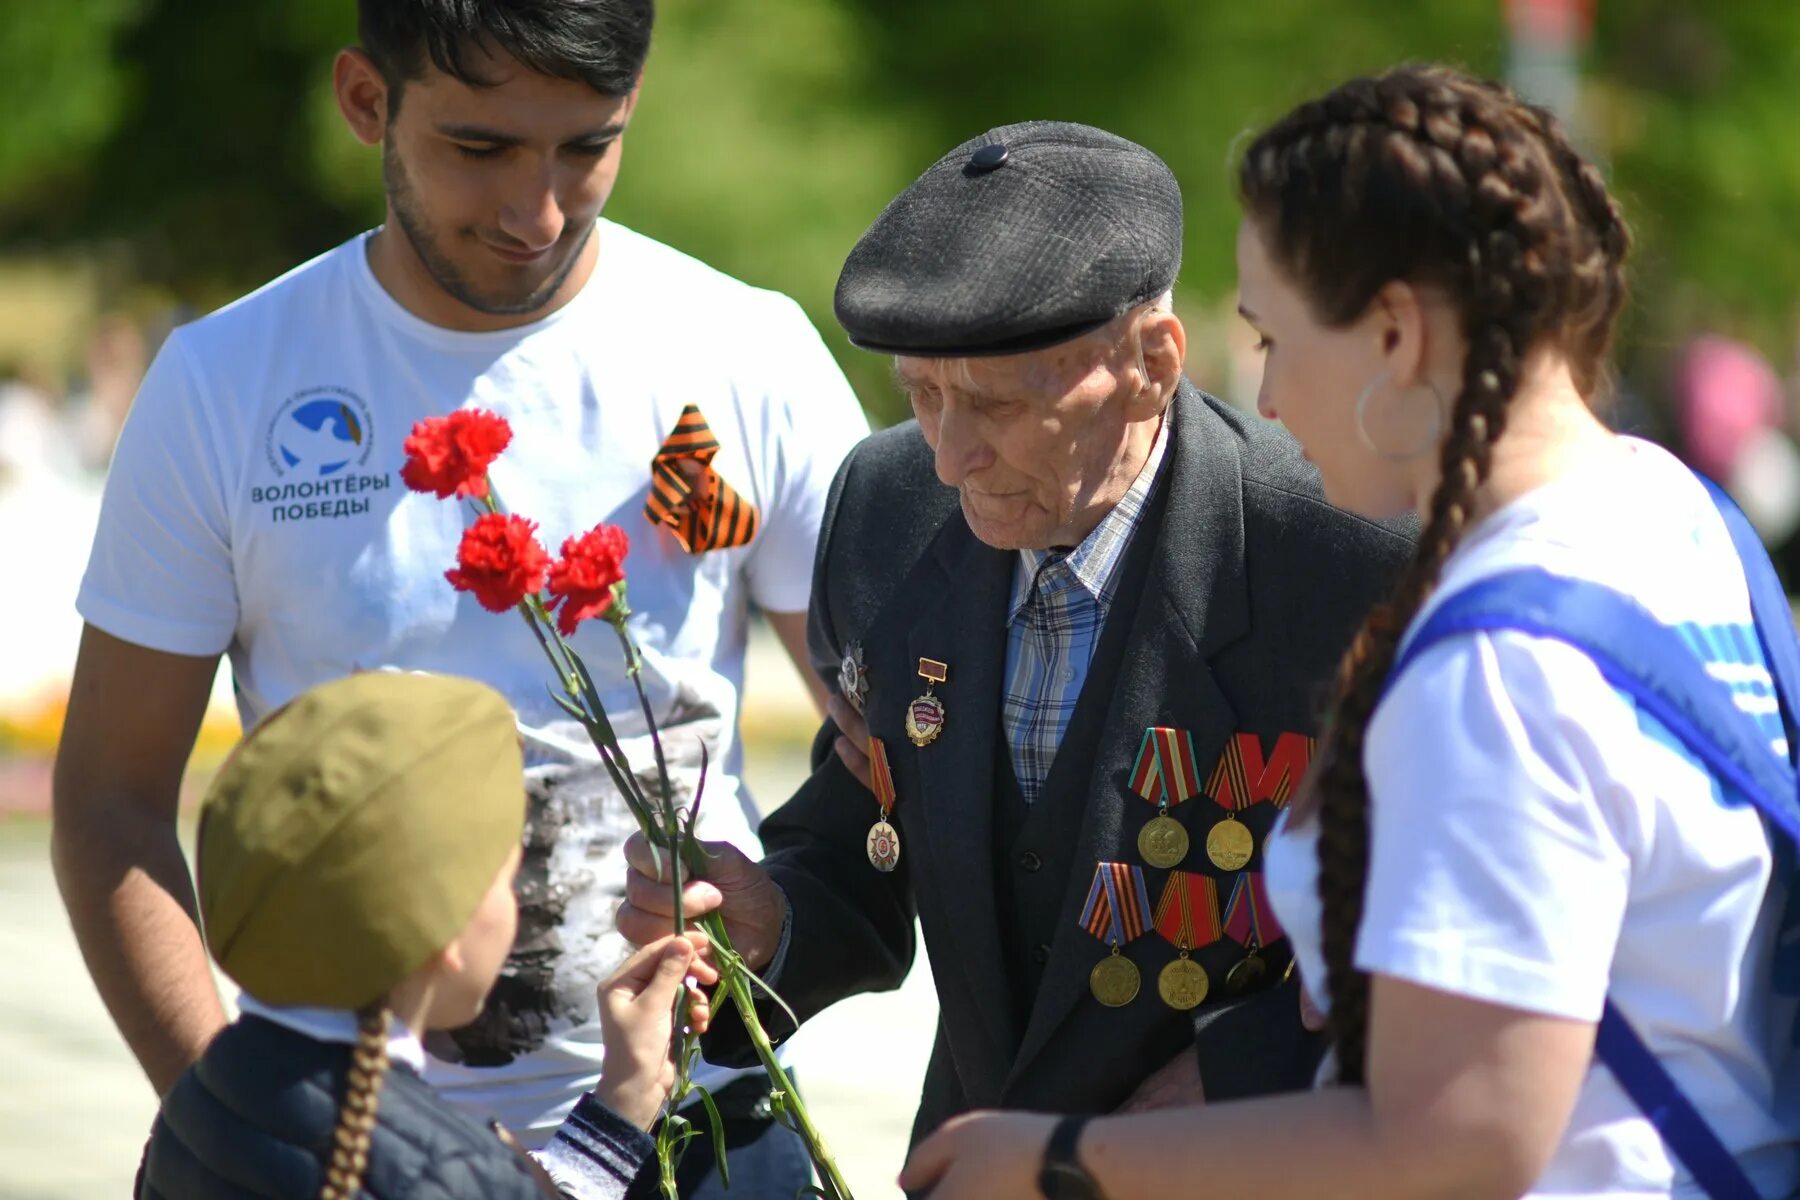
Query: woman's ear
x=1404, y=329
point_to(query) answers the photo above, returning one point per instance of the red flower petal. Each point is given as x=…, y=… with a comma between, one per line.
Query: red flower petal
x=500, y=561
x=449, y=456
x=582, y=579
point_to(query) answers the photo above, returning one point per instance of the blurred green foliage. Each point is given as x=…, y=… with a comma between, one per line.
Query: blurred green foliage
x=197, y=139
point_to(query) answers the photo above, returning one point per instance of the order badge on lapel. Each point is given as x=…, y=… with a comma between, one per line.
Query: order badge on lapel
x=925, y=716
x=853, y=676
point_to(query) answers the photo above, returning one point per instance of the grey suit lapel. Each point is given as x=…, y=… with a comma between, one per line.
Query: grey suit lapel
x=965, y=628
x=1193, y=603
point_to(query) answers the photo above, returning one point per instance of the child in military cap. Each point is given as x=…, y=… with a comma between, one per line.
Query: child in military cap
x=356, y=861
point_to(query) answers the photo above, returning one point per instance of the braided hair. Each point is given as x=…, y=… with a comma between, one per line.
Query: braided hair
x=1427, y=175
x=356, y=1116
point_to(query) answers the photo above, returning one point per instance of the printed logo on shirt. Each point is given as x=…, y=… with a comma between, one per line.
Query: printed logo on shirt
x=318, y=439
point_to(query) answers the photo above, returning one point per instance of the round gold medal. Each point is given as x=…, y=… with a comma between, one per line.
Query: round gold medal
x=884, y=846
x=1183, y=984
x=1245, y=975
x=1114, y=980
x=1163, y=842
x=1230, y=845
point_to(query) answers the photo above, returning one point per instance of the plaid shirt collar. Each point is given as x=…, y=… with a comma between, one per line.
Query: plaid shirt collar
x=1093, y=565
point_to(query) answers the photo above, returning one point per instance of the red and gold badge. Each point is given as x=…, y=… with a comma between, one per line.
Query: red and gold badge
x=925, y=715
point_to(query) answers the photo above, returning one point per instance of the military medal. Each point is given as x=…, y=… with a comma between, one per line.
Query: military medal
x=1188, y=916
x=1165, y=775
x=1114, y=980
x=925, y=716
x=1230, y=844
x=1244, y=777
x=1117, y=910
x=1250, y=920
x=853, y=676
x=884, y=839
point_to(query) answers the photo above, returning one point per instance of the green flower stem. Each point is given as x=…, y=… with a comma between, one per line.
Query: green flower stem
x=662, y=827
x=736, y=980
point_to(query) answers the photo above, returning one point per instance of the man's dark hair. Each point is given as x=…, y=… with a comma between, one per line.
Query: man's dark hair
x=602, y=43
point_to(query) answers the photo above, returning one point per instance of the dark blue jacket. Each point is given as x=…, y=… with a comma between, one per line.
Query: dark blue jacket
x=254, y=1118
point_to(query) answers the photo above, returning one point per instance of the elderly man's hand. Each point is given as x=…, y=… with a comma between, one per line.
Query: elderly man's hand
x=1176, y=1085
x=754, y=907
x=853, y=743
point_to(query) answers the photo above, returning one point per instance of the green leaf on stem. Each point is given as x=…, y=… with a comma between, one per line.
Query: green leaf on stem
x=718, y=1135
x=573, y=709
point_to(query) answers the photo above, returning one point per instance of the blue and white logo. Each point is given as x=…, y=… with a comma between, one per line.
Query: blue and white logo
x=319, y=432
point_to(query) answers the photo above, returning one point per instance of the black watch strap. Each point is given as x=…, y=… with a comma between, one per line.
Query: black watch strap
x=1063, y=1177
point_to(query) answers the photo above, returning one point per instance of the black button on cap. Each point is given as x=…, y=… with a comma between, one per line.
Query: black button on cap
x=1030, y=861
x=1040, y=954
x=987, y=157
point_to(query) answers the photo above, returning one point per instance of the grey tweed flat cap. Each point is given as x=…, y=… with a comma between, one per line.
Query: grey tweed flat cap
x=1024, y=237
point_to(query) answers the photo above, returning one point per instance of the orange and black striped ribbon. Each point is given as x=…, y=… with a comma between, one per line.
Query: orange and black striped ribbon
x=1118, y=905
x=1188, y=913
x=1248, y=915
x=881, y=776
x=1167, y=771
x=1244, y=777
x=705, y=513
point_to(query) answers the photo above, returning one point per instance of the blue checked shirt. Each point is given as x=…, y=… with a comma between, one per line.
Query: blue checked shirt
x=1060, y=600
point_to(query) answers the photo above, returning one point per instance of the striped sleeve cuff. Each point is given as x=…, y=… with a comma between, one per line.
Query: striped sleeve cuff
x=596, y=1153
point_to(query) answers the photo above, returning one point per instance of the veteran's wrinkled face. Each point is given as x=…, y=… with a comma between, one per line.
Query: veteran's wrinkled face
x=495, y=188
x=1040, y=446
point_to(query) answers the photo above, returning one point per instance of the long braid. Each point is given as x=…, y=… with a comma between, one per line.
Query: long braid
x=356, y=1116
x=1426, y=175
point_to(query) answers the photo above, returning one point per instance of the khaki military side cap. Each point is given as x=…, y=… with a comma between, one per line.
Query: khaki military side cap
x=352, y=834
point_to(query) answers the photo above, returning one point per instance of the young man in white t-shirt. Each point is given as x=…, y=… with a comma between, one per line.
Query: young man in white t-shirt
x=254, y=508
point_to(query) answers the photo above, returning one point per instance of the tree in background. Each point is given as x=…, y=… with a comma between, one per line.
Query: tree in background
x=200, y=138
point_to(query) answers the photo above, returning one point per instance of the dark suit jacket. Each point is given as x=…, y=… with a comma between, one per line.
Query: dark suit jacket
x=1243, y=589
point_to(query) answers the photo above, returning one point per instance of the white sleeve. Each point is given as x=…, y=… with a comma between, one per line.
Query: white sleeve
x=814, y=421
x=1493, y=870
x=160, y=573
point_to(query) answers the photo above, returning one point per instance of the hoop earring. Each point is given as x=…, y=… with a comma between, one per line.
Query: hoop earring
x=1431, y=438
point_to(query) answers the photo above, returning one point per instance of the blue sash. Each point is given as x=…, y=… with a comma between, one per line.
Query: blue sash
x=1649, y=662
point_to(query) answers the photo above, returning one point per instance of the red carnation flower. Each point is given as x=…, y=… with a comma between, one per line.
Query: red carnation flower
x=499, y=561
x=584, y=580
x=450, y=455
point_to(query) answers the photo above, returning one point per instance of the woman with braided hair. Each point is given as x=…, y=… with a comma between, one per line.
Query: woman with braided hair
x=1496, y=844
x=357, y=855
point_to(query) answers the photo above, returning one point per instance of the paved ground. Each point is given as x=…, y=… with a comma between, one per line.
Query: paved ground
x=74, y=1109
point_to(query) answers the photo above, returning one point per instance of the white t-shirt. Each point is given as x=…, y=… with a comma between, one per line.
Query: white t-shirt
x=1538, y=843
x=255, y=507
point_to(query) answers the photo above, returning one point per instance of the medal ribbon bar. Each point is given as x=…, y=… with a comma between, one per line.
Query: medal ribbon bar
x=1244, y=777
x=1188, y=913
x=1167, y=772
x=1248, y=915
x=881, y=776
x=1118, y=904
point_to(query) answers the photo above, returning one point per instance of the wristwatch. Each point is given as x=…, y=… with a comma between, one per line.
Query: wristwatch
x=1063, y=1177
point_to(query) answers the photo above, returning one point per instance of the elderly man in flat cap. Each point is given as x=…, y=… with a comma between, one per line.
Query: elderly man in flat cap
x=1087, y=614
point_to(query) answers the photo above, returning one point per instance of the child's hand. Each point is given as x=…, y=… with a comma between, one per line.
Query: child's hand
x=637, y=1008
